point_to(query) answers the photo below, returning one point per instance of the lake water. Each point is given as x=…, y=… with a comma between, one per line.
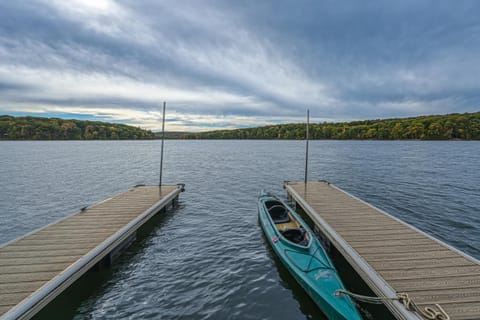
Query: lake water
x=207, y=259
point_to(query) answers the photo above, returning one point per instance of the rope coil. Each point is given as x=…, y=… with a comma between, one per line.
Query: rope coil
x=428, y=313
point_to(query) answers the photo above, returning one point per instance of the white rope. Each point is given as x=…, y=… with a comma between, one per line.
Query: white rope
x=359, y=297
x=428, y=313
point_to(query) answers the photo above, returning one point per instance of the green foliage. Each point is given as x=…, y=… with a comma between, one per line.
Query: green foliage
x=35, y=128
x=439, y=127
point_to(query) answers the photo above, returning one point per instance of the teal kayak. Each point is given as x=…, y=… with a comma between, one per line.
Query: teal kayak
x=303, y=255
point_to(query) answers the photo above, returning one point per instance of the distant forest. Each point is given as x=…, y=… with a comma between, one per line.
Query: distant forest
x=36, y=128
x=439, y=127
x=464, y=126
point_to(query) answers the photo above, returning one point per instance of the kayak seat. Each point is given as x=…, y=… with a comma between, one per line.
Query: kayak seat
x=279, y=214
x=295, y=235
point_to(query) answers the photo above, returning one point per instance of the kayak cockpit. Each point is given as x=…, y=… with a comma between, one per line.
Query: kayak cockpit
x=298, y=236
x=286, y=223
x=279, y=214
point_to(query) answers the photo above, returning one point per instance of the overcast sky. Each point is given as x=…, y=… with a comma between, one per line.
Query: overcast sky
x=226, y=64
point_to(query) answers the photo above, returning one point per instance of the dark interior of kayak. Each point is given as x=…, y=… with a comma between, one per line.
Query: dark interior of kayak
x=286, y=223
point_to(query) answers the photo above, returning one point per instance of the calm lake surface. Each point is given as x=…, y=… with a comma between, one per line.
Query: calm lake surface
x=207, y=258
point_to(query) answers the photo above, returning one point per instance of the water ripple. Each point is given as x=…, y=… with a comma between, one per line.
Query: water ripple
x=208, y=259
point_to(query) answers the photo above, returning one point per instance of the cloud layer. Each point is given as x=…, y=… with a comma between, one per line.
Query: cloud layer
x=226, y=64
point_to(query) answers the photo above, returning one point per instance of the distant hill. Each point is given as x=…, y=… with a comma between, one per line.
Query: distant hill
x=455, y=126
x=36, y=128
x=464, y=126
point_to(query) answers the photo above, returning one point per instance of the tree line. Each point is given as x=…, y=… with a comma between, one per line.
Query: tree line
x=456, y=126
x=464, y=126
x=36, y=128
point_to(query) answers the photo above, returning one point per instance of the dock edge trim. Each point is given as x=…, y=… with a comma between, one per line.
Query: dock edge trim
x=368, y=274
x=463, y=254
x=40, y=298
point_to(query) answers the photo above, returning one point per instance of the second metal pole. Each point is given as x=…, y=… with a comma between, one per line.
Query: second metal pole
x=306, y=148
x=163, y=138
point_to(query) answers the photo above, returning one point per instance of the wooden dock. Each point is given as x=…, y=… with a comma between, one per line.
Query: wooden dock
x=391, y=256
x=40, y=265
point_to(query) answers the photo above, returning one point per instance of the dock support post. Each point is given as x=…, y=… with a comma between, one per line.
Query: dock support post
x=163, y=139
x=306, y=147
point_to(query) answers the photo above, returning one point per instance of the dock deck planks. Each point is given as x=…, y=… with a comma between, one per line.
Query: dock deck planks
x=390, y=255
x=30, y=267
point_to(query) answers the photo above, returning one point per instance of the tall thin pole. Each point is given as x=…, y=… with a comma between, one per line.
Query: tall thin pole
x=163, y=139
x=306, y=147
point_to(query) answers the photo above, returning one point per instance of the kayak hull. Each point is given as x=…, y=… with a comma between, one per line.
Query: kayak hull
x=307, y=261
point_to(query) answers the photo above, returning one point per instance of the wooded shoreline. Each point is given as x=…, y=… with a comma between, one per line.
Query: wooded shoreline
x=464, y=126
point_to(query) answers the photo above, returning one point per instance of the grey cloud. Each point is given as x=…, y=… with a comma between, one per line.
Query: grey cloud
x=343, y=60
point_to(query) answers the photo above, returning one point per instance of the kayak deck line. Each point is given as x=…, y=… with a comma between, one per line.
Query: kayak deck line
x=312, y=257
x=37, y=267
x=389, y=254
